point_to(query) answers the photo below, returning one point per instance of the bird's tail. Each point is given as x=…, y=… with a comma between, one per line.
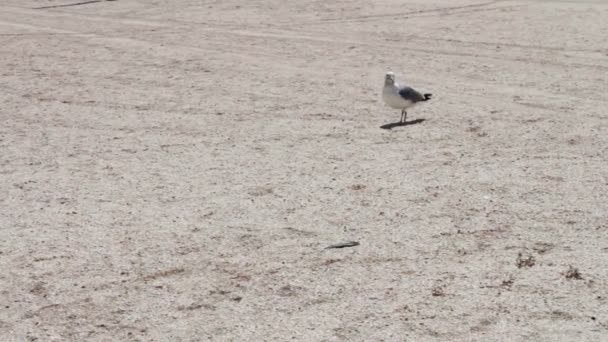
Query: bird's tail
x=427, y=97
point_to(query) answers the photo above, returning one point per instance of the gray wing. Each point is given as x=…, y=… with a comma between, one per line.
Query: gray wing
x=410, y=94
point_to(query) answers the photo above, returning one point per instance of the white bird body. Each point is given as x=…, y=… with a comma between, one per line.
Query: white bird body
x=390, y=95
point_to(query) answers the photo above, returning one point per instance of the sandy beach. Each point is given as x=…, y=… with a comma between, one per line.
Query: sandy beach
x=174, y=171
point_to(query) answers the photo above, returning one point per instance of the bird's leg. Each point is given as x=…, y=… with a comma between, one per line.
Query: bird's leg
x=403, y=115
x=402, y=111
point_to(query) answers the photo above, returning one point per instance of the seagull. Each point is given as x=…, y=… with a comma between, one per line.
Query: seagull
x=401, y=97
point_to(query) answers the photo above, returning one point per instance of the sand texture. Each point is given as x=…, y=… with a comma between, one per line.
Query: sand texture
x=172, y=170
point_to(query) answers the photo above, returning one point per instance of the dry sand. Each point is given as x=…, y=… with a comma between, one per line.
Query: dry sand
x=172, y=170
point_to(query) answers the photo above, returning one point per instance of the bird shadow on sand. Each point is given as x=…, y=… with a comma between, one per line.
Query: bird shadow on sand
x=398, y=124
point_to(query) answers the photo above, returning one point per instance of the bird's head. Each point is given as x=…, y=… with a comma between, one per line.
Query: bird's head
x=389, y=78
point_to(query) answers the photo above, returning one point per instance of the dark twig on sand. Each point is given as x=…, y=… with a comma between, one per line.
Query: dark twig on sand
x=343, y=245
x=70, y=5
